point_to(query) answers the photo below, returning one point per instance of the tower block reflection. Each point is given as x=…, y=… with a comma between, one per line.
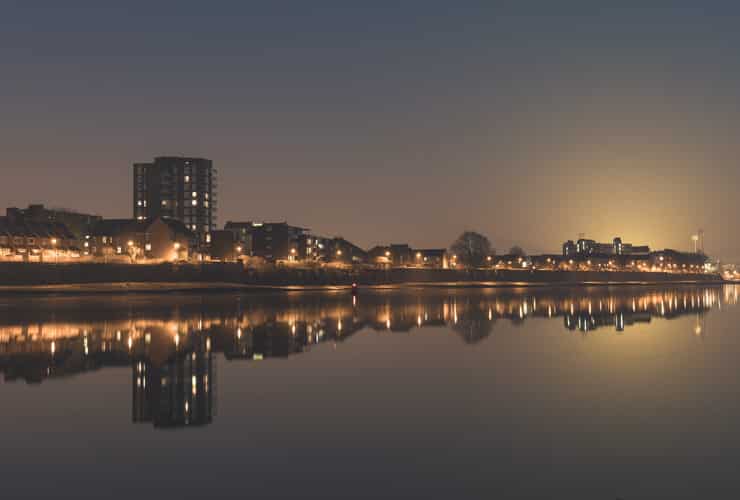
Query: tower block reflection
x=171, y=345
x=177, y=391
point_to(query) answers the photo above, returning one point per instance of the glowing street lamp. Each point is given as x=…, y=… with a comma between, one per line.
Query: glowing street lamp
x=54, y=242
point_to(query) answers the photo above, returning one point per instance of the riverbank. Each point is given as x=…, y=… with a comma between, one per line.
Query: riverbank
x=18, y=278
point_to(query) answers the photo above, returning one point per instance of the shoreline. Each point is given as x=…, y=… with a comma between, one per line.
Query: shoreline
x=125, y=288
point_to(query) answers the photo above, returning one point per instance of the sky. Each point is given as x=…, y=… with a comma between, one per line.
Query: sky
x=388, y=121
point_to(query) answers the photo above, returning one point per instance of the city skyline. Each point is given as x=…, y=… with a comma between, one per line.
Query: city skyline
x=389, y=123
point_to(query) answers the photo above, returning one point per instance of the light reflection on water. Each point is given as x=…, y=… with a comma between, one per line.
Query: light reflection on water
x=170, y=342
x=438, y=393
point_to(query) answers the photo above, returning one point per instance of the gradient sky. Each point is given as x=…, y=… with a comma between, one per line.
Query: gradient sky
x=388, y=121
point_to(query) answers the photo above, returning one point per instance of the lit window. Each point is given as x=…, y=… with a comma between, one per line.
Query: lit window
x=164, y=203
x=195, y=194
x=208, y=238
x=148, y=247
x=187, y=178
x=140, y=203
x=195, y=203
x=206, y=195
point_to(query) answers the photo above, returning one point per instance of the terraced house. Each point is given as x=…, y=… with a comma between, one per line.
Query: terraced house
x=27, y=241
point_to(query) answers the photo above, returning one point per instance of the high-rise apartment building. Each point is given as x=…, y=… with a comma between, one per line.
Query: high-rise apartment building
x=180, y=188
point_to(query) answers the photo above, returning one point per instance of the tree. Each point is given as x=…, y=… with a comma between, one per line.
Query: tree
x=471, y=249
x=518, y=251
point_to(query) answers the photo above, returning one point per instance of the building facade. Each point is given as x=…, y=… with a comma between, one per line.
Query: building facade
x=22, y=240
x=272, y=241
x=588, y=248
x=77, y=223
x=134, y=240
x=184, y=189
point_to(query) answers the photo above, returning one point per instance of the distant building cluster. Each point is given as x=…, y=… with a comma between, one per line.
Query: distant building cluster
x=586, y=253
x=174, y=219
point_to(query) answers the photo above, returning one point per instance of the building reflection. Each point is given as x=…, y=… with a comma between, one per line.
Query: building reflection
x=178, y=391
x=170, y=344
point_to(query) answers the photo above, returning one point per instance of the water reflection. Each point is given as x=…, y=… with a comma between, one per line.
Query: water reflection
x=169, y=342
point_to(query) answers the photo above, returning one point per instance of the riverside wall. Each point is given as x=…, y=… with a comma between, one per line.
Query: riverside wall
x=35, y=274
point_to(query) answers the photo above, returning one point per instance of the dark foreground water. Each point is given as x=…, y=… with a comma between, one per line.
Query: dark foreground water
x=545, y=393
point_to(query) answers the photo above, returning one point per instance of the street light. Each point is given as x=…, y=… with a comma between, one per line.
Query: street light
x=56, y=254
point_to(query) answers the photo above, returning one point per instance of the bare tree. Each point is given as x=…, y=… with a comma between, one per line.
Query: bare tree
x=518, y=251
x=471, y=249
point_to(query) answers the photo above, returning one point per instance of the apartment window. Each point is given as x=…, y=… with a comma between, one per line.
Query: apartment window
x=195, y=194
x=140, y=203
x=187, y=178
x=195, y=203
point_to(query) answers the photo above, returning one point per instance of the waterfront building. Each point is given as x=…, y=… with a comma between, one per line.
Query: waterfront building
x=584, y=248
x=512, y=261
x=184, y=189
x=160, y=239
x=344, y=252
x=434, y=258
x=224, y=246
x=23, y=240
x=272, y=241
x=79, y=224
x=673, y=260
x=394, y=255
x=403, y=255
x=312, y=248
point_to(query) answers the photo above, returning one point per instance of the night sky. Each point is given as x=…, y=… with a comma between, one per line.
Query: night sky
x=388, y=121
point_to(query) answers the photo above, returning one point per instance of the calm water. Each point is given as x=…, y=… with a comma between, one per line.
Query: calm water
x=547, y=393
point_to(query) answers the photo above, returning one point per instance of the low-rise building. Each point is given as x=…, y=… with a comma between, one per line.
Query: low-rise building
x=77, y=223
x=224, y=246
x=584, y=248
x=161, y=239
x=272, y=241
x=402, y=255
x=345, y=252
x=29, y=241
x=675, y=261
